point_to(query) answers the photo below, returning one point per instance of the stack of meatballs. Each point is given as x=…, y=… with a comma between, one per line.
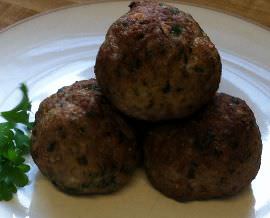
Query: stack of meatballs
x=154, y=99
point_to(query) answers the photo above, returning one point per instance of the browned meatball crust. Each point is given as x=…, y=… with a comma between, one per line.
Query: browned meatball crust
x=80, y=143
x=156, y=63
x=216, y=153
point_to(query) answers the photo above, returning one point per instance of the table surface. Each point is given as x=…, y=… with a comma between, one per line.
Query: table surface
x=257, y=11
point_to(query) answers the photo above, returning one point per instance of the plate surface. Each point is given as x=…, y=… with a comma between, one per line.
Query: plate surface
x=57, y=49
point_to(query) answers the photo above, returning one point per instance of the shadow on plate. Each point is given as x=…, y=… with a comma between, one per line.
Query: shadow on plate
x=137, y=199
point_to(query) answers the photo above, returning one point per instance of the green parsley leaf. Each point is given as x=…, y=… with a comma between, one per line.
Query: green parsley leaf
x=94, y=87
x=174, y=10
x=19, y=114
x=6, y=191
x=17, y=177
x=176, y=30
x=6, y=135
x=22, y=141
x=14, y=144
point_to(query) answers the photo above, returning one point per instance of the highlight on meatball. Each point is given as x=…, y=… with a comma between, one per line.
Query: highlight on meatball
x=81, y=143
x=156, y=63
x=216, y=153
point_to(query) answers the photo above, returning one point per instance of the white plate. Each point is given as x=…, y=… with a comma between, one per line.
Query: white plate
x=59, y=48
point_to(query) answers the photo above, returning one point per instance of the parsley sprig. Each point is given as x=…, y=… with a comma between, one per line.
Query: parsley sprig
x=14, y=144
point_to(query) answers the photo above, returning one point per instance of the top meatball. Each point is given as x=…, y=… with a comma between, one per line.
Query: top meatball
x=156, y=63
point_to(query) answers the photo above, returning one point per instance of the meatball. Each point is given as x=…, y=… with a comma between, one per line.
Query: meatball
x=156, y=63
x=216, y=153
x=81, y=143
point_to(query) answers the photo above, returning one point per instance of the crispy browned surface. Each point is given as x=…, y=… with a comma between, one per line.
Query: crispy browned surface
x=157, y=63
x=80, y=143
x=214, y=154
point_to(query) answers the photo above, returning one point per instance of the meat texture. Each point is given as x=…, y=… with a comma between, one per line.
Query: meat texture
x=81, y=143
x=216, y=153
x=156, y=63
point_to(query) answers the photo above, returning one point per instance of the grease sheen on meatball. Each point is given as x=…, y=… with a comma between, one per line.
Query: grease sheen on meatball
x=81, y=143
x=216, y=153
x=156, y=63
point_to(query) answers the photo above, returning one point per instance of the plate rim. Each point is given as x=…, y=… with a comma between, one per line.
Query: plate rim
x=185, y=2
x=78, y=6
